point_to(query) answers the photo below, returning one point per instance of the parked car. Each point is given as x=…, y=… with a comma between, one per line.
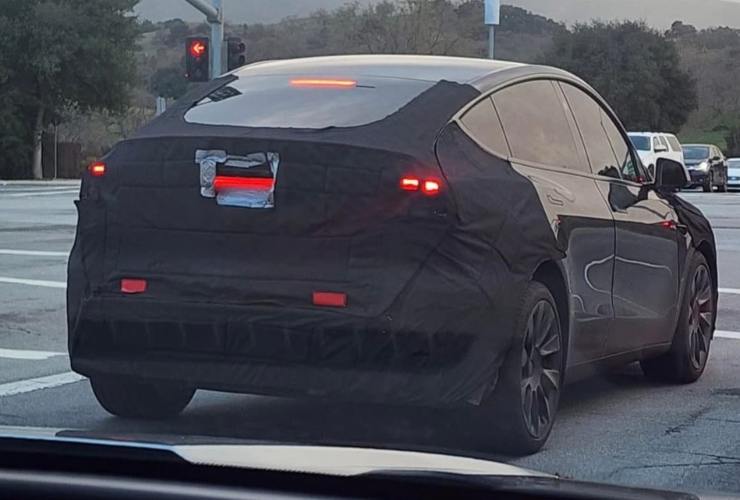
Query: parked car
x=416, y=230
x=651, y=146
x=707, y=166
x=733, y=173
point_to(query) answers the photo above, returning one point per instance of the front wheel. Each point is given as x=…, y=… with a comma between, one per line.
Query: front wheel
x=687, y=358
x=708, y=183
x=132, y=398
x=521, y=411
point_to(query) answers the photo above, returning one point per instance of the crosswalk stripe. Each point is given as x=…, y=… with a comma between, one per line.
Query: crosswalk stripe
x=32, y=253
x=730, y=291
x=37, y=384
x=28, y=355
x=41, y=283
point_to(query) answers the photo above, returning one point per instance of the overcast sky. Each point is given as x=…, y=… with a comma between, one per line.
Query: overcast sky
x=658, y=13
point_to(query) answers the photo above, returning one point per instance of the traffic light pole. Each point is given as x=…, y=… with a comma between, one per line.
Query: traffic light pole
x=215, y=17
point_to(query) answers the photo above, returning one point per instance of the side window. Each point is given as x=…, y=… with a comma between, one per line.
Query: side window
x=627, y=165
x=483, y=124
x=675, y=145
x=656, y=143
x=536, y=125
x=588, y=116
x=664, y=143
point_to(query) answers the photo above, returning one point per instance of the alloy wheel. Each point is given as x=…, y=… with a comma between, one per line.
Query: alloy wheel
x=701, y=316
x=541, y=367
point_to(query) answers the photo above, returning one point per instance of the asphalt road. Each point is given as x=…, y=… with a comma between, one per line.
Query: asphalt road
x=617, y=428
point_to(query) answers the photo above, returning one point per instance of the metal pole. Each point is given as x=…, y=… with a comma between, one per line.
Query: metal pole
x=492, y=42
x=217, y=41
x=56, y=150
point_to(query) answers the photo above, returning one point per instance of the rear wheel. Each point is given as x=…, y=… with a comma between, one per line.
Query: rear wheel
x=687, y=359
x=708, y=183
x=521, y=411
x=133, y=398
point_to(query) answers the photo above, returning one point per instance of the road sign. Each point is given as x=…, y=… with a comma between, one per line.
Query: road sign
x=493, y=12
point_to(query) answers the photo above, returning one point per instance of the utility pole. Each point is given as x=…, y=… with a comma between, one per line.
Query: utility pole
x=492, y=18
x=215, y=16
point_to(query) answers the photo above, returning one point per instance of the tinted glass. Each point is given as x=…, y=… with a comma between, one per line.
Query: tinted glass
x=696, y=152
x=663, y=142
x=640, y=142
x=735, y=163
x=483, y=124
x=536, y=125
x=589, y=119
x=627, y=165
x=656, y=143
x=675, y=145
x=305, y=102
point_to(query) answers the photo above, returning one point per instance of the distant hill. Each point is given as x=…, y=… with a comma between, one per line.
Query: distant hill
x=658, y=13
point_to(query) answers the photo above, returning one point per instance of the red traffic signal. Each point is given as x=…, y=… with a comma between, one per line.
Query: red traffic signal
x=197, y=59
x=198, y=49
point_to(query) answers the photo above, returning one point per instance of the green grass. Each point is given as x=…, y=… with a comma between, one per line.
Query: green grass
x=703, y=137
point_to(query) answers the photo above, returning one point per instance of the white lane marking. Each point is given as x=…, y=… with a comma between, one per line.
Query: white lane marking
x=727, y=335
x=37, y=384
x=42, y=193
x=28, y=355
x=32, y=253
x=42, y=283
x=730, y=291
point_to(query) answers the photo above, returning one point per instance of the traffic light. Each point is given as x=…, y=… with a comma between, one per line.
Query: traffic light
x=198, y=59
x=237, y=53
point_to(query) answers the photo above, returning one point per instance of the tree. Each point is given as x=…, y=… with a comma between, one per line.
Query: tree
x=169, y=82
x=67, y=54
x=634, y=67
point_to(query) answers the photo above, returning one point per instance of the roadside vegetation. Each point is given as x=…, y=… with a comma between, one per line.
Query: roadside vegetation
x=98, y=81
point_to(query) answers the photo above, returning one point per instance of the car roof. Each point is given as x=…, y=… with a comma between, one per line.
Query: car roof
x=650, y=134
x=700, y=145
x=480, y=73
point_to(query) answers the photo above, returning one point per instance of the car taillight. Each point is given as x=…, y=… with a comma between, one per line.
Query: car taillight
x=429, y=187
x=97, y=169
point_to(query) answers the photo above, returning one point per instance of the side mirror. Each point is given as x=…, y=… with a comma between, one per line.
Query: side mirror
x=670, y=174
x=716, y=158
x=661, y=149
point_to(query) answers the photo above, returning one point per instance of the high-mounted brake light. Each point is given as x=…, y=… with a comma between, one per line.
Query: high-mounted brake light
x=222, y=183
x=328, y=83
x=133, y=286
x=97, y=169
x=410, y=184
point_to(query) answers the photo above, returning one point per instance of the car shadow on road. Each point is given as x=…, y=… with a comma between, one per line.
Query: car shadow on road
x=263, y=419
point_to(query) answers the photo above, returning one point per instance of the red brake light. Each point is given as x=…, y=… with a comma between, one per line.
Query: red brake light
x=97, y=169
x=330, y=299
x=410, y=184
x=329, y=83
x=431, y=187
x=254, y=183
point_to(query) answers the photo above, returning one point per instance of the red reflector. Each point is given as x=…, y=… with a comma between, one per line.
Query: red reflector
x=410, y=184
x=330, y=299
x=431, y=187
x=328, y=83
x=97, y=169
x=133, y=286
x=254, y=183
x=669, y=224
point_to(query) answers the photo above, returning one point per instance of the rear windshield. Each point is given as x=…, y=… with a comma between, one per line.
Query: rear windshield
x=641, y=142
x=307, y=102
x=696, y=152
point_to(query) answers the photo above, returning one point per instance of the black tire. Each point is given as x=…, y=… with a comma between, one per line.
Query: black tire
x=722, y=188
x=509, y=411
x=132, y=398
x=689, y=353
x=707, y=186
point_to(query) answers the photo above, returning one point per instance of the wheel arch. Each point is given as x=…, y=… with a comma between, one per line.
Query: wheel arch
x=551, y=274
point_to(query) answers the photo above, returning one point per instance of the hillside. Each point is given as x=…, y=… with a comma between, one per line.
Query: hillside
x=658, y=13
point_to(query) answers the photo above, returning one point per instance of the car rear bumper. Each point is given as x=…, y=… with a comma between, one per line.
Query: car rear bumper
x=436, y=346
x=698, y=178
